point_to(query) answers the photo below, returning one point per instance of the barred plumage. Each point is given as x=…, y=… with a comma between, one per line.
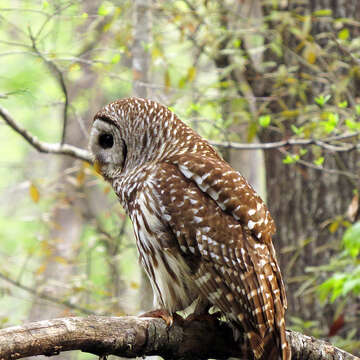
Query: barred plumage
x=202, y=232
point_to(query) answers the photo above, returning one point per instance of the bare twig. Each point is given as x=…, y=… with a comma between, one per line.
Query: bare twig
x=63, y=149
x=135, y=337
x=323, y=143
x=47, y=297
x=60, y=78
x=355, y=60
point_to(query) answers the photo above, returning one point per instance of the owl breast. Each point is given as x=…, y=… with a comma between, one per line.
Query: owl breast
x=169, y=273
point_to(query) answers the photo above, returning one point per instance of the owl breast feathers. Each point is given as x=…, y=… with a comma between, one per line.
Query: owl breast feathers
x=202, y=232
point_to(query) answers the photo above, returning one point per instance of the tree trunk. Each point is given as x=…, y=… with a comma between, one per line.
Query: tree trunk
x=304, y=201
x=140, y=68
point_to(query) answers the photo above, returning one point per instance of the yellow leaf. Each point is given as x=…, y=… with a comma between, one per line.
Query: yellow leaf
x=291, y=80
x=310, y=53
x=74, y=67
x=311, y=57
x=290, y=113
x=34, y=193
x=60, y=260
x=156, y=53
x=191, y=73
x=334, y=226
x=107, y=26
x=41, y=269
x=106, y=190
x=134, y=285
x=80, y=176
x=167, y=80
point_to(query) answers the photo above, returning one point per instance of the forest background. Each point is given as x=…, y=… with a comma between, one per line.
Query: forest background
x=275, y=85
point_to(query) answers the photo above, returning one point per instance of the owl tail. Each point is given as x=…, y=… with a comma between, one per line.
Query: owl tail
x=270, y=347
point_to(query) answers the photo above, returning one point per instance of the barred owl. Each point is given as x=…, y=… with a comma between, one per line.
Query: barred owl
x=202, y=232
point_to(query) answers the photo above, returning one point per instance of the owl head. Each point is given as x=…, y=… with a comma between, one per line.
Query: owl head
x=107, y=143
x=130, y=132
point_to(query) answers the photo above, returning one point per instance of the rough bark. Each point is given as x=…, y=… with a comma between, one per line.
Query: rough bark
x=133, y=337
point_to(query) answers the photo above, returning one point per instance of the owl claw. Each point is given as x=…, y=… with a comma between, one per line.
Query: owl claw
x=204, y=317
x=160, y=313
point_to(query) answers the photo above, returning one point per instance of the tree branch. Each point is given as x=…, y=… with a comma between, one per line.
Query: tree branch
x=323, y=143
x=63, y=149
x=133, y=337
x=78, y=153
x=59, y=77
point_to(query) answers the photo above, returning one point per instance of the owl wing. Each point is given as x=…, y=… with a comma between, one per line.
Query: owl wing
x=201, y=202
x=230, y=190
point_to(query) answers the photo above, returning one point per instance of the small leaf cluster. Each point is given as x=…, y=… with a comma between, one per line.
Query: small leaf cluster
x=345, y=281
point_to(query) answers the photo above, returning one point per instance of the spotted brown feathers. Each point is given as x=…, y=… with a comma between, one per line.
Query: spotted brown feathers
x=202, y=232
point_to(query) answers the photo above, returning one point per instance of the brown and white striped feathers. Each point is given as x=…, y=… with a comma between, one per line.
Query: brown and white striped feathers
x=202, y=231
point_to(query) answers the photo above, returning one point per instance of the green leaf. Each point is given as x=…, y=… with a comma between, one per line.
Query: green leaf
x=237, y=43
x=322, y=12
x=330, y=124
x=290, y=159
x=297, y=130
x=344, y=34
x=333, y=118
x=264, y=120
x=104, y=9
x=322, y=100
x=333, y=286
x=343, y=104
x=351, y=240
x=352, y=285
x=115, y=59
x=319, y=161
x=357, y=108
x=352, y=125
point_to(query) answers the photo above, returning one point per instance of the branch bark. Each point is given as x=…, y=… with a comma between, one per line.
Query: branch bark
x=132, y=337
x=44, y=147
x=82, y=154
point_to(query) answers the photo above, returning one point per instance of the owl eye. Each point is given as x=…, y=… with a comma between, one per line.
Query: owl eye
x=106, y=141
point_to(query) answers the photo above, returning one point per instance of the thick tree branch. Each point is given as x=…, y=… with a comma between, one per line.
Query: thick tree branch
x=44, y=147
x=133, y=337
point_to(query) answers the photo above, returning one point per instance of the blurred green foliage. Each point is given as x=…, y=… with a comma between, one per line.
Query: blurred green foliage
x=345, y=281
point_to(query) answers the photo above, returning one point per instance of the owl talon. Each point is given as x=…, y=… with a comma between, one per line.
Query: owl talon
x=162, y=314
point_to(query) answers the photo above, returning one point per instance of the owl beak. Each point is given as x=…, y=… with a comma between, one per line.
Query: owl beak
x=97, y=167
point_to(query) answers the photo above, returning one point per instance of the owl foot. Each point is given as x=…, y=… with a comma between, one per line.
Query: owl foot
x=211, y=318
x=163, y=314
